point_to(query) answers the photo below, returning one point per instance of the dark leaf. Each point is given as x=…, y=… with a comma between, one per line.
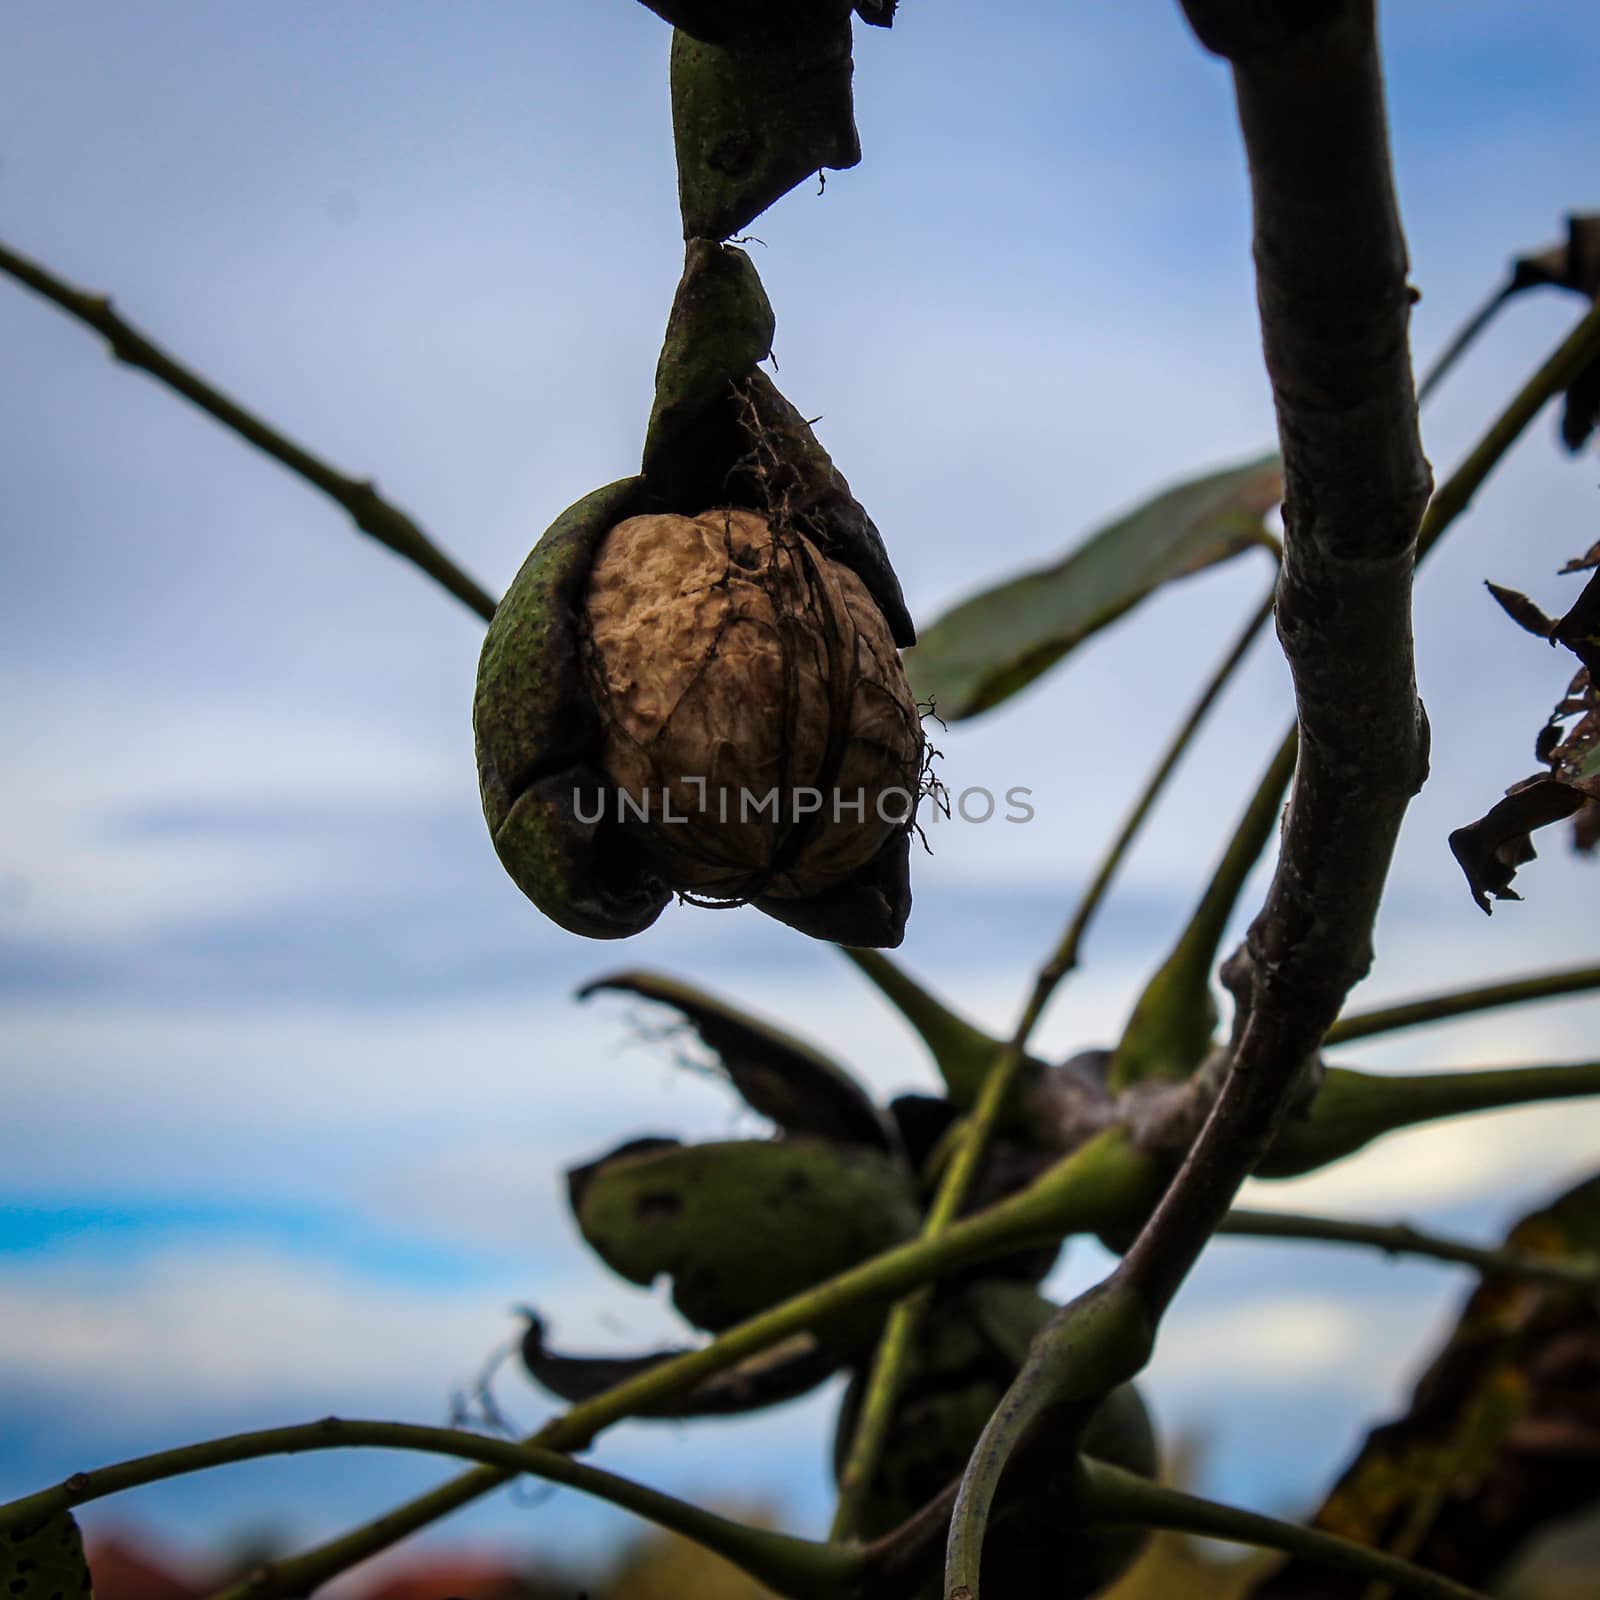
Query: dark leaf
x=1586, y=829
x=1573, y=265
x=1522, y=610
x=1491, y=849
x=1579, y=630
x=1502, y=1436
x=741, y=1225
x=880, y=13
x=996, y=643
x=1582, y=563
x=1581, y=414
x=44, y=1561
x=789, y=1369
x=781, y=1077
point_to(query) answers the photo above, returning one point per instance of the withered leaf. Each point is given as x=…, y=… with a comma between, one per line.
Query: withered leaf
x=1522, y=610
x=1579, y=630
x=784, y=1372
x=781, y=1077
x=1573, y=265
x=1491, y=849
x=1503, y=1432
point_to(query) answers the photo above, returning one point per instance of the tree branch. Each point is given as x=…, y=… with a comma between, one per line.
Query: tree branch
x=1463, y=1002
x=359, y=497
x=1112, y=1495
x=797, y=1568
x=1331, y=278
x=1401, y=1239
x=1087, y=1191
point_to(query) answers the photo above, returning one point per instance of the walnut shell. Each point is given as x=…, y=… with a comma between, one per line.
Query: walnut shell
x=756, y=719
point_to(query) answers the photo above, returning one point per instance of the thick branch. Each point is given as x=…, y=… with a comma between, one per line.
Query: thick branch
x=1331, y=275
x=359, y=497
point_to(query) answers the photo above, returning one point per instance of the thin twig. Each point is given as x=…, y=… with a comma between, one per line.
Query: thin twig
x=1401, y=1239
x=1101, y=1182
x=891, y=1360
x=1463, y=1003
x=1464, y=338
x=359, y=497
x=1351, y=1109
x=795, y=1567
x=1111, y=1495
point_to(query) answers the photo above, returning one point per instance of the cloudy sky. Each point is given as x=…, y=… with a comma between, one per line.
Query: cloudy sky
x=290, y=1068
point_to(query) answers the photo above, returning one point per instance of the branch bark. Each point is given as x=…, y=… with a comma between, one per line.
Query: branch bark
x=1335, y=305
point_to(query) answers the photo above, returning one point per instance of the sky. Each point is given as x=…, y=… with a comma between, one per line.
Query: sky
x=291, y=1070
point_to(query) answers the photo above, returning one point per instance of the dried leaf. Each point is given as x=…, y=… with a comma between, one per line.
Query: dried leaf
x=1574, y=265
x=787, y=1370
x=1522, y=610
x=779, y=1076
x=987, y=648
x=1491, y=849
x=44, y=1561
x=741, y=1225
x=1503, y=1432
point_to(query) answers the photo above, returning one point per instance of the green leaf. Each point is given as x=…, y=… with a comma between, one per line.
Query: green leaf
x=999, y=641
x=44, y=1561
x=741, y=1225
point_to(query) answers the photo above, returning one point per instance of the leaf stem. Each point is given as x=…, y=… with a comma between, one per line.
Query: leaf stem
x=892, y=1357
x=1101, y=1181
x=1109, y=1494
x=1465, y=336
x=360, y=498
x=1399, y=1238
x=1464, y=1002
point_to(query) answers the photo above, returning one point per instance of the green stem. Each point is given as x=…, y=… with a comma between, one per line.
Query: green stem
x=1353, y=1108
x=1463, y=1002
x=1099, y=1183
x=798, y=1568
x=1172, y=1024
x=1085, y=1351
x=1398, y=1238
x=962, y=1052
x=371, y=513
x=1109, y=1494
x=892, y=1357
x=1465, y=336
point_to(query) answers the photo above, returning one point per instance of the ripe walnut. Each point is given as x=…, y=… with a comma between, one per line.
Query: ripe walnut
x=756, y=720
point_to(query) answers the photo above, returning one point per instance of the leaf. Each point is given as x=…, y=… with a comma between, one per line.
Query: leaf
x=1573, y=265
x=1502, y=1435
x=783, y=1078
x=1522, y=610
x=741, y=1225
x=789, y=1369
x=44, y=1561
x=1491, y=849
x=999, y=641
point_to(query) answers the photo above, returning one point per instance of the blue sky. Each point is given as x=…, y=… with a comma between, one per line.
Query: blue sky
x=290, y=1067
